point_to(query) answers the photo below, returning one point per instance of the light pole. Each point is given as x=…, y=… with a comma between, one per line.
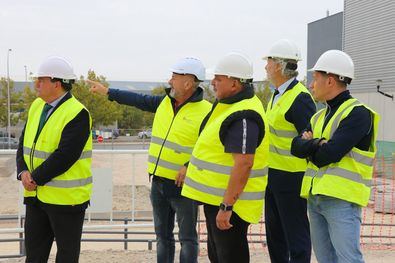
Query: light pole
x=8, y=98
x=25, y=73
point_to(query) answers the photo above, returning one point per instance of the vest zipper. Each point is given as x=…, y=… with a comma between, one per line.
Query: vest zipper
x=329, y=109
x=32, y=151
x=31, y=160
x=161, y=148
x=326, y=116
x=31, y=155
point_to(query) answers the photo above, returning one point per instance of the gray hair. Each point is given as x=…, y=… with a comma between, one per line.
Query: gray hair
x=285, y=71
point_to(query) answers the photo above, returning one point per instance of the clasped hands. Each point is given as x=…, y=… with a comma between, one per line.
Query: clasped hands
x=27, y=181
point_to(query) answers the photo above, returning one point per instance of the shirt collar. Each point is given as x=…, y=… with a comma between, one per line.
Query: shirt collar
x=56, y=102
x=284, y=86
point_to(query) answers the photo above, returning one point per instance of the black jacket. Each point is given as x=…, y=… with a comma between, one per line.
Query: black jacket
x=354, y=131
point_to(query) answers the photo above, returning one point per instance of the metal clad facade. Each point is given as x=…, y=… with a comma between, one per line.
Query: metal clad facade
x=323, y=35
x=369, y=38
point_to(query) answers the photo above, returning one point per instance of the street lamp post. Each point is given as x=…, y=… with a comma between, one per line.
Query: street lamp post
x=25, y=73
x=8, y=98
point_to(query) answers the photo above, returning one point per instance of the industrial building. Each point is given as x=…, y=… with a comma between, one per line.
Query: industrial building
x=366, y=31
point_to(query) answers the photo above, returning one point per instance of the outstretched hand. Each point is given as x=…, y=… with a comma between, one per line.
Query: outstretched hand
x=97, y=87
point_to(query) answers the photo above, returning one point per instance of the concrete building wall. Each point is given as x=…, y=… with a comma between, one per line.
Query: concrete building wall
x=385, y=107
x=323, y=35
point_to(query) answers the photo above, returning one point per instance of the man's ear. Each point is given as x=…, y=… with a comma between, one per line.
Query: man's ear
x=331, y=80
x=237, y=85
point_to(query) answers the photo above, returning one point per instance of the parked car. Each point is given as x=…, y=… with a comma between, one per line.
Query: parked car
x=110, y=133
x=144, y=134
x=94, y=135
x=4, y=143
x=5, y=134
x=105, y=133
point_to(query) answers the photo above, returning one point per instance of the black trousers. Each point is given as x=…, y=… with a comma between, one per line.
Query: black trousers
x=226, y=246
x=286, y=222
x=43, y=225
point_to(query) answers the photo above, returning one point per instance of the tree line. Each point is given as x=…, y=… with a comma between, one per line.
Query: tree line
x=103, y=111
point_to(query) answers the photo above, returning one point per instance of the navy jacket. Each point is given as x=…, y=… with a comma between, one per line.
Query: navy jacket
x=353, y=131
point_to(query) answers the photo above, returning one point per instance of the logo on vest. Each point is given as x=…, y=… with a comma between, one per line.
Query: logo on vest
x=187, y=120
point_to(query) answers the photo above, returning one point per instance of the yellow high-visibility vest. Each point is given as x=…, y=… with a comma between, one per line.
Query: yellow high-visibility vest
x=350, y=178
x=72, y=187
x=210, y=167
x=282, y=132
x=174, y=136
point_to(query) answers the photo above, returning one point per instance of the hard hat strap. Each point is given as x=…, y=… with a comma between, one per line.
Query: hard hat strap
x=343, y=79
x=291, y=66
x=66, y=81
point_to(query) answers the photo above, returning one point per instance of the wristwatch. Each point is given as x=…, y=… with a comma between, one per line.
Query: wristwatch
x=19, y=176
x=225, y=207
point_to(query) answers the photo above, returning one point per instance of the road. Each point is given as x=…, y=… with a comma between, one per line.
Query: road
x=121, y=146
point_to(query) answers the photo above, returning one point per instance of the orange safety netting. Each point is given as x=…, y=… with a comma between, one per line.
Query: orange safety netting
x=378, y=218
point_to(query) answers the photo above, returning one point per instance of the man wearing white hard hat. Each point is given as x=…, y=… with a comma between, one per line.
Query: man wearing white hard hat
x=289, y=111
x=228, y=167
x=54, y=165
x=178, y=116
x=340, y=143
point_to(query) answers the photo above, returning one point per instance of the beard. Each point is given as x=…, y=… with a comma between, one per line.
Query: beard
x=172, y=93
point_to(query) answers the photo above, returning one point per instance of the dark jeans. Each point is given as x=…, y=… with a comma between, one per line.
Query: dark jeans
x=41, y=226
x=226, y=246
x=287, y=225
x=167, y=203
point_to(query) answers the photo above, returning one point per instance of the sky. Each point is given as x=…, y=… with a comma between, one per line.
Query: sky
x=140, y=40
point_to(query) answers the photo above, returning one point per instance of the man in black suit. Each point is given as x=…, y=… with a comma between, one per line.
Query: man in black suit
x=54, y=165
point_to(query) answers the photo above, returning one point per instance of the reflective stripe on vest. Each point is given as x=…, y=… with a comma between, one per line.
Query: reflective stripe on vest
x=69, y=183
x=220, y=192
x=346, y=174
x=171, y=145
x=45, y=155
x=223, y=169
x=166, y=164
x=283, y=133
x=274, y=149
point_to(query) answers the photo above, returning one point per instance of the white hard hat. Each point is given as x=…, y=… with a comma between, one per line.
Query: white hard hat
x=234, y=65
x=285, y=49
x=191, y=66
x=336, y=62
x=56, y=67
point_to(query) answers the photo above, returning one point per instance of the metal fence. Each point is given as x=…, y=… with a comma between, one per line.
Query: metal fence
x=121, y=212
